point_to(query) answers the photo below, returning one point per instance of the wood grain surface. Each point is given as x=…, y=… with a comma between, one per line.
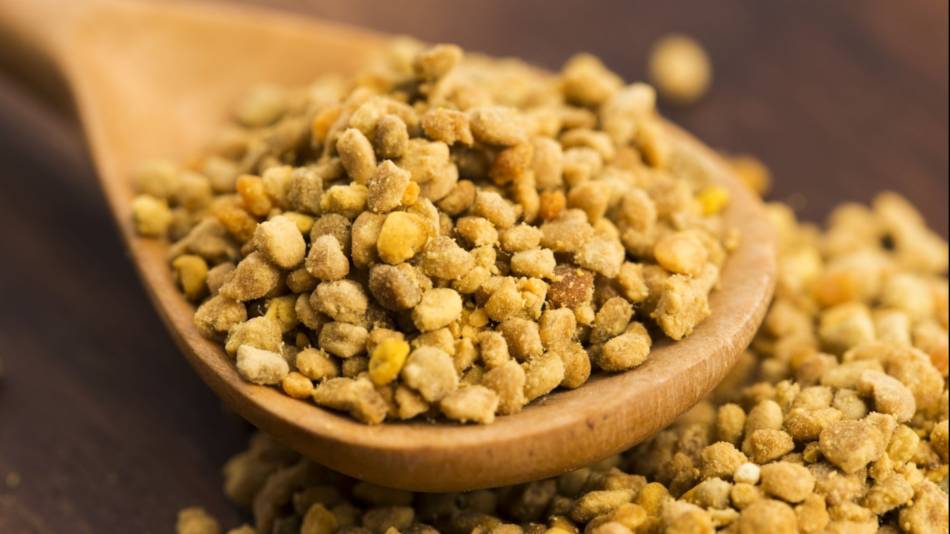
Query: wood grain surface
x=107, y=427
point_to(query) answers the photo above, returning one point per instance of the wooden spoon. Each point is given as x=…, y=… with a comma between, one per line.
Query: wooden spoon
x=158, y=79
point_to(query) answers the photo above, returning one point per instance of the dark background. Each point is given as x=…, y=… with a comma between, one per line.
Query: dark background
x=108, y=428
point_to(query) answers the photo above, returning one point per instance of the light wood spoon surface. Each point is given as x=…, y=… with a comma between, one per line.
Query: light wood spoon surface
x=158, y=79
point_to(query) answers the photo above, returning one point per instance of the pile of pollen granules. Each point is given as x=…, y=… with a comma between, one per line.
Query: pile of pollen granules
x=442, y=235
x=834, y=421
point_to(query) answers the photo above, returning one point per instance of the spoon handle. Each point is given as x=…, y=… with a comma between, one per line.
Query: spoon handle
x=42, y=27
x=34, y=43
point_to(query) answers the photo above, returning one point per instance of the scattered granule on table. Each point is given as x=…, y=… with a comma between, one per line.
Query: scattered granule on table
x=195, y=520
x=680, y=69
x=433, y=189
x=803, y=436
x=12, y=480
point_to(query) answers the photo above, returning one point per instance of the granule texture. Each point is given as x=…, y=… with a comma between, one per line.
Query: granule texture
x=792, y=441
x=436, y=187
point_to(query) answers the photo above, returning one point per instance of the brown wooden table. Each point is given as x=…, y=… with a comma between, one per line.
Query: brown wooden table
x=104, y=423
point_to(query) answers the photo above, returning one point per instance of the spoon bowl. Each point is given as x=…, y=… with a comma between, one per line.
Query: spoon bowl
x=159, y=79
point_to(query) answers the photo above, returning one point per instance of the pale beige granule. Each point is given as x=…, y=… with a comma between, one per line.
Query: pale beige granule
x=194, y=191
x=447, y=125
x=747, y=473
x=364, y=234
x=158, y=178
x=768, y=515
x=600, y=502
x=346, y=200
x=261, y=366
x=151, y=216
x=356, y=155
x=326, y=259
x=722, y=459
x=601, y=255
x=430, y=167
x=298, y=281
x=787, y=481
x=218, y=314
x=493, y=207
x=505, y=301
x=356, y=396
x=537, y=263
x=542, y=374
x=520, y=238
x=316, y=364
x=386, y=187
x=492, y=349
x=392, y=137
x=477, y=231
x=259, y=332
x=409, y=404
x=459, y=199
x=470, y=403
x=332, y=224
x=196, y=520
x=846, y=325
x=522, y=337
x=557, y=326
x=939, y=439
x=253, y=278
x=221, y=273
x=730, y=422
x=437, y=61
x=577, y=364
x=262, y=106
x=280, y=241
x=342, y=300
x=683, y=303
x=444, y=258
x=307, y=315
x=497, y=125
x=889, y=493
x=851, y=445
x=766, y=414
x=318, y=520
x=766, y=445
x=343, y=340
x=680, y=68
x=889, y=394
x=626, y=350
x=508, y=381
x=742, y=495
x=581, y=164
x=437, y=308
x=680, y=252
x=808, y=425
x=567, y=233
x=431, y=372
x=611, y=320
x=587, y=81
